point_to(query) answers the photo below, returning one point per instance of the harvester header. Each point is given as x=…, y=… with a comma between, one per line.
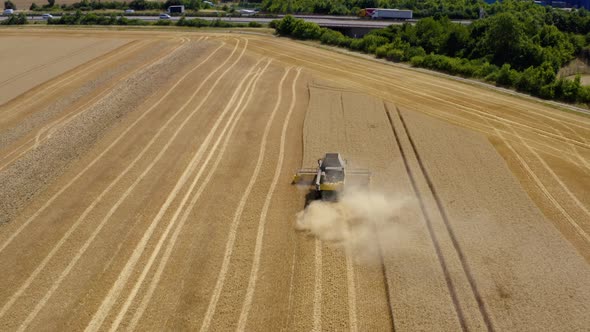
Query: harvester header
x=331, y=176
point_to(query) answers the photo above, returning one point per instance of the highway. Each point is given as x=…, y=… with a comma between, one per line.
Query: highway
x=324, y=21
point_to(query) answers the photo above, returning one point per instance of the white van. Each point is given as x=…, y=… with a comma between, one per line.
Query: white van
x=8, y=12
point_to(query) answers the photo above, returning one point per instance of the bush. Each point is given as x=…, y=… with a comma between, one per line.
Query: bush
x=567, y=90
x=306, y=30
x=584, y=94
x=547, y=91
x=395, y=55
x=285, y=26
x=417, y=61
x=369, y=43
x=196, y=22
x=253, y=24
x=485, y=69
x=163, y=22
x=510, y=49
x=381, y=51
x=507, y=77
x=18, y=19
x=332, y=37
x=411, y=52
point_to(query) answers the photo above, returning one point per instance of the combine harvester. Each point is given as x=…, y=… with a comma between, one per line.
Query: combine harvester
x=330, y=178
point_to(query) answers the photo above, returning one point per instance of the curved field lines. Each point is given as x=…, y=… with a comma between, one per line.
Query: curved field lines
x=147, y=186
x=562, y=135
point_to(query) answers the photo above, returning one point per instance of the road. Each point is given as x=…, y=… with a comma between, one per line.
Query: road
x=324, y=21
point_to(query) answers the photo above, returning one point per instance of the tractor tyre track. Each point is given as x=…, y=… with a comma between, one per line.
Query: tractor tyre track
x=86, y=212
x=14, y=234
x=433, y=237
x=432, y=95
x=173, y=240
x=262, y=222
x=176, y=227
x=467, y=270
x=115, y=290
x=76, y=224
x=64, y=119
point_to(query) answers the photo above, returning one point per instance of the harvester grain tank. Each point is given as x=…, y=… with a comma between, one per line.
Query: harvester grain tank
x=396, y=14
x=330, y=178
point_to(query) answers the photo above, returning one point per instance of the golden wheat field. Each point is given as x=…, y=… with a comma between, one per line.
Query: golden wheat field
x=145, y=184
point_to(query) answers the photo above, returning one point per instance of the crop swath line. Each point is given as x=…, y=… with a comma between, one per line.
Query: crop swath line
x=116, y=289
x=532, y=175
x=447, y=224
x=82, y=217
x=230, y=243
x=361, y=66
x=95, y=160
x=431, y=96
x=239, y=106
x=431, y=232
x=247, y=304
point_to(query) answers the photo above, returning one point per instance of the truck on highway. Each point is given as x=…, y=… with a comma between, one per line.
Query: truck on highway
x=179, y=9
x=382, y=13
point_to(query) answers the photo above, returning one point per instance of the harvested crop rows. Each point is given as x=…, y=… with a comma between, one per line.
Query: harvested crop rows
x=147, y=187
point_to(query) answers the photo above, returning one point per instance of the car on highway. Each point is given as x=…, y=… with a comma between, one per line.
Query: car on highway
x=129, y=11
x=165, y=16
x=8, y=12
x=247, y=12
x=46, y=16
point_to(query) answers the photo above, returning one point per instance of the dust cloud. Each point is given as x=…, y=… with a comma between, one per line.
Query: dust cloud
x=356, y=221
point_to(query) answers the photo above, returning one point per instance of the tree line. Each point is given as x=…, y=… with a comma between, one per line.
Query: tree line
x=456, y=9
x=79, y=18
x=516, y=49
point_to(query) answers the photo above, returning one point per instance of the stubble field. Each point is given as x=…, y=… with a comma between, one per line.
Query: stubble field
x=146, y=185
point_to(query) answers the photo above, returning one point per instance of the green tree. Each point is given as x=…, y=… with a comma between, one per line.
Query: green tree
x=138, y=4
x=51, y=3
x=504, y=38
x=9, y=5
x=457, y=39
x=286, y=25
x=17, y=19
x=430, y=34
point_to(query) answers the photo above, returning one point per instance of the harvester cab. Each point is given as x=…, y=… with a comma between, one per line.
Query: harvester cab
x=331, y=176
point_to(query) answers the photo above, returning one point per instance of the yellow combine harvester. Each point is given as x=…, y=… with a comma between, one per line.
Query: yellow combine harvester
x=328, y=180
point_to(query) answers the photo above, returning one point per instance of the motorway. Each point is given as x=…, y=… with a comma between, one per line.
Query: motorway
x=324, y=21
